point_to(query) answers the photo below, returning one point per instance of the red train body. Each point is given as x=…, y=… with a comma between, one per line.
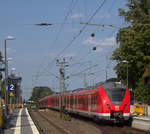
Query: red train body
x=108, y=100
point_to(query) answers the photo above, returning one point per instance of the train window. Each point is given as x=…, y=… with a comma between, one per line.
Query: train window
x=76, y=100
x=93, y=101
x=83, y=101
x=67, y=100
x=79, y=101
x=56, y=100
x=71, y=100
x=52, y=101
x=116, y=95
x=86, y=102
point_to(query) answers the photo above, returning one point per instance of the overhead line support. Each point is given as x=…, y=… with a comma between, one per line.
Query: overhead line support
x=62, y=65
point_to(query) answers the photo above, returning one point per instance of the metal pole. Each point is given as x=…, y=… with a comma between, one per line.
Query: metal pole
x=106, y=73
x=85, y=83
x=6, y=77
x=62, y=79
x=60, y=98
x=10, y=104
x=62, y=86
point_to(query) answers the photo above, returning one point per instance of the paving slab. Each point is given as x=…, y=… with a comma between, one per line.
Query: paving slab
x=20, y=122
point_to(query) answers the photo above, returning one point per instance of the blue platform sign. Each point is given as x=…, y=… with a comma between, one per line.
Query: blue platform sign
x=15, y=79
x=11, y=87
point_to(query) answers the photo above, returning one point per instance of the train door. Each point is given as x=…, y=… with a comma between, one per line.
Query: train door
x=77, y=102
x=60, y=101
x=71, y=102
x=89, y=107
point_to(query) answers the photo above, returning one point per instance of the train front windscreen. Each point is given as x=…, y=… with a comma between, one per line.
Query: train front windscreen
x=115, y=91
x=116, y=95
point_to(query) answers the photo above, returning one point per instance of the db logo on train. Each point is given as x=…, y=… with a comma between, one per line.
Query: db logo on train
x=116, y=107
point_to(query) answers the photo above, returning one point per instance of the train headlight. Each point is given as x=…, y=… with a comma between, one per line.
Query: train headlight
x=108, y=106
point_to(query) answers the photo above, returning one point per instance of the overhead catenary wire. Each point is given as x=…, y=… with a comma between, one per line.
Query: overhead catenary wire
x=100, y=24
x=75, y=37
x=71, y=5
x=70, y=43
x=108, y=25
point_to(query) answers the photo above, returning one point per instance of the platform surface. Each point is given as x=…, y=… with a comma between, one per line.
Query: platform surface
x=20, y=122
x=141, y=122
x=145, y=118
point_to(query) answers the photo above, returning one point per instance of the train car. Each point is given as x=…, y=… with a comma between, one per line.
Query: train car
x=44, y=102
x=106, y=100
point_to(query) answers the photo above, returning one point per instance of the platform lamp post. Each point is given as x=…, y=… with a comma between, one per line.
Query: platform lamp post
x=6, y=72
x=12, y=70
x=125, y=61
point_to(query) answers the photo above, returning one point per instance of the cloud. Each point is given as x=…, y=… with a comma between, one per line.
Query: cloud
x=105, y=42
x=77, y=15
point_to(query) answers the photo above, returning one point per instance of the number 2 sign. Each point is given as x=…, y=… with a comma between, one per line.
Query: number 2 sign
x=11, y=87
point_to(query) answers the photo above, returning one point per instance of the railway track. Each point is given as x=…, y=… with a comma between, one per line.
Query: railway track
x=46, y=125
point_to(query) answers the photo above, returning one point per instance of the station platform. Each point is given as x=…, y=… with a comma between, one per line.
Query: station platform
x=20, y=122
x=141, y=122
x=144, y=118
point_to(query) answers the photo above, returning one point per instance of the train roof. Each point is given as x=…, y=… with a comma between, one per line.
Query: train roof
x=108, y=85
x=105, y=84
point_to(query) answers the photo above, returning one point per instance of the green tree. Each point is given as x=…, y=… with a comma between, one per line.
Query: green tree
x=40, y=92
x=2, y=81
x=134, y=40
x=142, y=92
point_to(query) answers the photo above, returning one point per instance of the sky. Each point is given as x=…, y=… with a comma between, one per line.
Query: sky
x=36, y=48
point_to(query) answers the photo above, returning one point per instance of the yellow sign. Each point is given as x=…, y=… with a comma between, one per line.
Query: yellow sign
x=11, y=94
x=140, y=109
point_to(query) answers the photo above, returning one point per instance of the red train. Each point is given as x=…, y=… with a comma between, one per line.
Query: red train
x=106, y=100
